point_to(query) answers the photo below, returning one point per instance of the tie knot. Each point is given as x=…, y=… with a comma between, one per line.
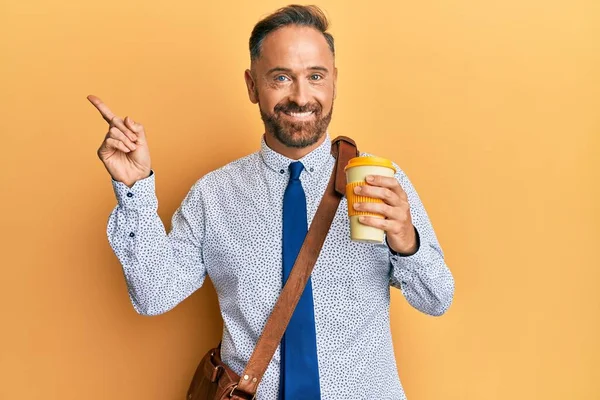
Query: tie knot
x=295, y=170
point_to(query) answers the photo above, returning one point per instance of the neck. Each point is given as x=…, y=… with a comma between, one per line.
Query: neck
x=293, y=153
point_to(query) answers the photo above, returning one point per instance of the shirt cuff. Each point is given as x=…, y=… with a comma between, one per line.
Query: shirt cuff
x=417, y=238
x=141, y=194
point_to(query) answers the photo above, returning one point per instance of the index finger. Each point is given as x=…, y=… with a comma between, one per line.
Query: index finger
x=386, y=182
x=103, y=108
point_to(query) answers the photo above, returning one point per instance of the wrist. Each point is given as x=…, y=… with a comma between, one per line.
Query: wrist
x=130, y=183
x=408, y=250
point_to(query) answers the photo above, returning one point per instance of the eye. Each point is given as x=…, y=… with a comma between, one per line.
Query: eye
x=281, y=78
x=316, y=77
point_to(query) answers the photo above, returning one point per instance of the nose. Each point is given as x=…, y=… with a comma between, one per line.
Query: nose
x=299, y=93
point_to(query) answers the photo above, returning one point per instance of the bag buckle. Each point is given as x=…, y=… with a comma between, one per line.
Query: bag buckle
x=216, y=370
x=235, y=387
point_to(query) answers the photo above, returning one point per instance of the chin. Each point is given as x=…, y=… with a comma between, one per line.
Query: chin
x=298, y=139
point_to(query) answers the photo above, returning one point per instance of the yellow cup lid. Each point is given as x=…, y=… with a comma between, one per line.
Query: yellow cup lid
x=371, y=162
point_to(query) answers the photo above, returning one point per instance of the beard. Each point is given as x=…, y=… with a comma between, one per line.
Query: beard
x=296, y=134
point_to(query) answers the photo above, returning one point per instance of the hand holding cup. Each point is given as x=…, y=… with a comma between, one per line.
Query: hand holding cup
x=377, y=204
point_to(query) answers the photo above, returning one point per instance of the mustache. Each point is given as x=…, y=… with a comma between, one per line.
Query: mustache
x=291, y=107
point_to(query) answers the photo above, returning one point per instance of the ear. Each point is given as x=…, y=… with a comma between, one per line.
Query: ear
x=251, y=85
x=334, y=82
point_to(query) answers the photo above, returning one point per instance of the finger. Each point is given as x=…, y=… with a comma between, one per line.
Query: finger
x=118, y=122
x=381, y=209
x=115, y=133
x=116, y=144
x=387, y=195
x=387, y=182
x=103, y=108
x=135, y=127
x=381, y=223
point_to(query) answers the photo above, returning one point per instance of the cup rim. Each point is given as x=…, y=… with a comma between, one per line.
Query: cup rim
x=370, y=161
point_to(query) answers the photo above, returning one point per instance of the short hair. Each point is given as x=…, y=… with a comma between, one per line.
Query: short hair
x=311, y=16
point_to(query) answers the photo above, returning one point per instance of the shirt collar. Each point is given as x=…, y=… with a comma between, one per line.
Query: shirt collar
x=312, y=162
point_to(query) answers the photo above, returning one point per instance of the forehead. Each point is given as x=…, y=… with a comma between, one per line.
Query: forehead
x=295, y=47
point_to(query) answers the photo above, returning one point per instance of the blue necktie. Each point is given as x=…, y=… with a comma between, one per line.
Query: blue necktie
x=299, y=367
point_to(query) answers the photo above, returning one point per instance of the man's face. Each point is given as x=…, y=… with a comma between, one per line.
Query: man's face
x=293, y=82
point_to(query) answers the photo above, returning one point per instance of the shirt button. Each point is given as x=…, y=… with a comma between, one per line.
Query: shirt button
x=131, y=234
x=281, y=171
x=312, y=169
x=129, y=194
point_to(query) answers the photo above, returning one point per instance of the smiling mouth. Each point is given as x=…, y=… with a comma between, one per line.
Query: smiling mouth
x=300, y=115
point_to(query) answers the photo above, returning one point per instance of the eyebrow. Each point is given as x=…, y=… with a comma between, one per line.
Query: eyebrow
x=282, y=69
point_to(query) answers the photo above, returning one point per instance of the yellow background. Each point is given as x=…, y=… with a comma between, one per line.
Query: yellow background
x=491, y=107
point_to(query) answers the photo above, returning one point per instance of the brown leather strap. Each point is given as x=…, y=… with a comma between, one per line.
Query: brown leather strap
x=346, y=147
x=343, y=149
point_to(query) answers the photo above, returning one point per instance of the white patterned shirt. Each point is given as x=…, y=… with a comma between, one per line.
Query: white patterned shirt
x=229, y=227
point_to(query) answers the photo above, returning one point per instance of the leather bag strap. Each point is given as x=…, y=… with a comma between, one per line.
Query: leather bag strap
x=343, y=149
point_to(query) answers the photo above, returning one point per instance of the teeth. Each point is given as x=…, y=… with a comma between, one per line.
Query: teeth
x=304, y=114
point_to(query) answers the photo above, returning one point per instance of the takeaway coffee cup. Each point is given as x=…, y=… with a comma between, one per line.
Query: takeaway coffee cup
x=357, y=170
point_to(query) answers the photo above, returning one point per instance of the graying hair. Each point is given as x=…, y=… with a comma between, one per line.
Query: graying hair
x=311, y=16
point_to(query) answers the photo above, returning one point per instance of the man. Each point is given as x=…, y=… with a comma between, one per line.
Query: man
x=232, y=223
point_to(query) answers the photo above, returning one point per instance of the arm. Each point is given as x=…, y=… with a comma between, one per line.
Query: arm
x=423, y=277
x=160, y=269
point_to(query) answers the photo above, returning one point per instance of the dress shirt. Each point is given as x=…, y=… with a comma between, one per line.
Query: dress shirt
x=229, y=227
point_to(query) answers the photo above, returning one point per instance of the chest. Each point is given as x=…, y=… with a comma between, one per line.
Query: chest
x=242, y=247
